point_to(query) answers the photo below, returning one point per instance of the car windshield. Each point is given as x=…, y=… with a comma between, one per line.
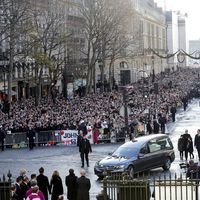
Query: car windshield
x=125, y=152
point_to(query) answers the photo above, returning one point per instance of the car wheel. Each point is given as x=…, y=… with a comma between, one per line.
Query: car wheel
x=167, y=164
x=131, y=171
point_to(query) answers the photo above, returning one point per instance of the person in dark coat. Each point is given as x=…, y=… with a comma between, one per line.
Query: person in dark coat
x=180, y=146
x=186, y=138
x=18, y=188
x=56, y=186
x=190, y=148
x=84, y=149
x=2, y=137
x=43, y=183
x=71, y=183
x=162, y=121
x=13, y=193
x=149, y=128
x=24, y=186
x=185, y=102
x=197, y=142
x=83, y=185
x=156, y=126
x=173, y=112
x=80, y=137
x=31, y=137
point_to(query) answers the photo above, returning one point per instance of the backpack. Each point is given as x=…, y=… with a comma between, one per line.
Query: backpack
x=33, y=196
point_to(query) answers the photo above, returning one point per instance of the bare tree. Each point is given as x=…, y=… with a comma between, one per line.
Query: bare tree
x=15, y=20
x=115, y=31
x=90, y=12
x=107, y=29
x=124, y=42
x=47, y=42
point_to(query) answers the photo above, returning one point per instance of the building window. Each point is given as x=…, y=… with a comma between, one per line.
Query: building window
x=123, y=65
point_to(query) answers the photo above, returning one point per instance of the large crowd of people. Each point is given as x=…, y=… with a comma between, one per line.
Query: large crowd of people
x=103, y=109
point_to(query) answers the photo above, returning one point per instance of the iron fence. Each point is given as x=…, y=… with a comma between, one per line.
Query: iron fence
x=5, y=185
x=150, y=187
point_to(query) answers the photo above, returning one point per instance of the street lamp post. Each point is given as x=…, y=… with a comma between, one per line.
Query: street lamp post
x=145, y=93
x=155, y=87
x=126, y=112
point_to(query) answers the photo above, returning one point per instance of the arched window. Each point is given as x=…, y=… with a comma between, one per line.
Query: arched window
x=123, y=65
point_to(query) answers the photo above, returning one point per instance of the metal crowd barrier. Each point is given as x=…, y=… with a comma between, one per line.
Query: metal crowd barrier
x=19, y=139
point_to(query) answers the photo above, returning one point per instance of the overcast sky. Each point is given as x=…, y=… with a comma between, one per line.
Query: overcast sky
x=192, y=8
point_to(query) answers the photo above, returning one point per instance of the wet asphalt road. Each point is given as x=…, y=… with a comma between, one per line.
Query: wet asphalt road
x=62, y=158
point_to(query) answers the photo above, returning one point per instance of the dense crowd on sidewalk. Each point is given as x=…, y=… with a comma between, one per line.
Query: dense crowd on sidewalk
x=39, y=187
x=102, y=109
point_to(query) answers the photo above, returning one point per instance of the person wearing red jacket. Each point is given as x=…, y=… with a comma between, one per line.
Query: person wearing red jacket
x=35, y=195
x=32, y=190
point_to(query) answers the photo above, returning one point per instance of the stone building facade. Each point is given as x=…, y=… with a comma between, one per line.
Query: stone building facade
x=23, y=83
x=149, y=29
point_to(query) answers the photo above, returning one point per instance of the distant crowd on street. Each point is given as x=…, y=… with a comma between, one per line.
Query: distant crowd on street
x=149, y=105
x=38, y=187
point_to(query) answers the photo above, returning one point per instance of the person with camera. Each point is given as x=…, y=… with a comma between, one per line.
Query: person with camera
x=193, y=171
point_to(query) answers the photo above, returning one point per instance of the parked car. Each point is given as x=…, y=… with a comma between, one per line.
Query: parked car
x=140, y=154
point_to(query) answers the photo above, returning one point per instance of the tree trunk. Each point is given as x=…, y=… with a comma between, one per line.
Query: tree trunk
x=10, y=76
x=94, y=79
x=38, y=81
x=88, y=80
x=91, y=79
x=36, y=95
x=111, y=75
x=10, y=71
x=103, y=66
x=39, y=92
